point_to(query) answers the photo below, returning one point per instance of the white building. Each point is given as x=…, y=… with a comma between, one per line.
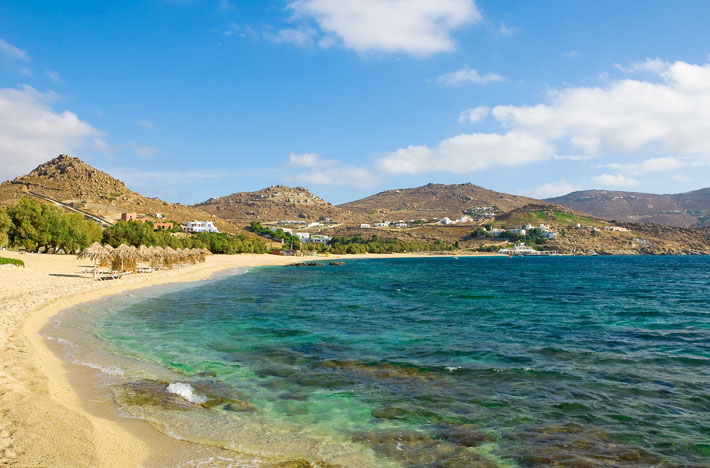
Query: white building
x=286, y=230
x=464, y=219
x=316, y=224
x=528, y=226
x=364, y=226
x=522, y=232
x=319, y=239
x=446, y=220
x=497, y=231
x=199, y=226
x=401, y=225
x=385, y=224
x=303, y=236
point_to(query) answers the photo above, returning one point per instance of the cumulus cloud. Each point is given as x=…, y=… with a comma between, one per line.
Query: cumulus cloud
x=13, y=52
x=669, y=115
x=615, y=180
x=474, y=115
x=552, y=189
x=415, y=27
x=31, y=132
x=467, y=153
x=468, y=75
x=650, y=165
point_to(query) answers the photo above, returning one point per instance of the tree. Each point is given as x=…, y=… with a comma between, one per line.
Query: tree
x=28, y=229
x=5, y=224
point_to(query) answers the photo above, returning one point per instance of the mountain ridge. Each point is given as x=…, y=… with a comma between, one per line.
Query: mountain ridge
x=687, y=209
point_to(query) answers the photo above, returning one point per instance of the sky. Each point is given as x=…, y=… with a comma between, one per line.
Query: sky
x=192, y=99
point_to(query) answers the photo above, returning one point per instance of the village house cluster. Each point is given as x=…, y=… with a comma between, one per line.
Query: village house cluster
x=523, y=231
x=304, y=237
x=189, y=226
x=413, y=222
x=157, y=225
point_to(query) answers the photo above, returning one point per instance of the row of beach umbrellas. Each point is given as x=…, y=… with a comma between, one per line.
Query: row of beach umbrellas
x=124, y=257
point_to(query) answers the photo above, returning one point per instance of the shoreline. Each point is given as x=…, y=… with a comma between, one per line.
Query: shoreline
x=44, y=419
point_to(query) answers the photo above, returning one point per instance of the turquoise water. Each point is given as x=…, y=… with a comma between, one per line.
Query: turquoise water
x=435, y=362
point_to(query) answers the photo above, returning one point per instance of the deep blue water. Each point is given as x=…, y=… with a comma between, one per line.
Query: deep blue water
x=437, y=362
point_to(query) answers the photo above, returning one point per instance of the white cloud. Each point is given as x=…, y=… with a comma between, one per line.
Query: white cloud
x=572, y=157
x=416, y=27
x=468, y=75
x=681, y=178
x=572, y=54
x=306, y=160
x=650, y=165
x=474, y=115
x=626, y=118
x=12, y=52
x=552, y=189
x=31, y=132
x=467, y=153
x=649, y=65
x=615, y=180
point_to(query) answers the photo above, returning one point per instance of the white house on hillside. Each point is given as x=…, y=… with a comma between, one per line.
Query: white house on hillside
x=319, y=239
x=199, y=226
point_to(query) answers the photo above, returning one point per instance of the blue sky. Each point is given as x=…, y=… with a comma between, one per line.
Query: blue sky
x=187, y=100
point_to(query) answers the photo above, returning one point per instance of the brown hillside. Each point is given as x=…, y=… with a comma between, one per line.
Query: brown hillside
x=683, y=209
x=70, y=180
x=278, y=202
x=434, y=200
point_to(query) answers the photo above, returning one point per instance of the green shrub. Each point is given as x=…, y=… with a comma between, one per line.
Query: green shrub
x=11, y=261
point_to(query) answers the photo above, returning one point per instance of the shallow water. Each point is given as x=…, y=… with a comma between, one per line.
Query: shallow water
x=431, y=362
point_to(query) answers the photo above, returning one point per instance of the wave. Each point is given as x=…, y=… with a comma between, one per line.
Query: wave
x=186, y=391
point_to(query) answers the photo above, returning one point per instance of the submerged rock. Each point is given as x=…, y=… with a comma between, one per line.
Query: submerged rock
x=419, y=450
x=195, y=394
x=575, y=446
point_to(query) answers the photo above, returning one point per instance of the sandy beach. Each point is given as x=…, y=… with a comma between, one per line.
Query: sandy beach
x=43, y=420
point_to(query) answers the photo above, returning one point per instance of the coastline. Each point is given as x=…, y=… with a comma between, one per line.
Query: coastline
x=44, y=419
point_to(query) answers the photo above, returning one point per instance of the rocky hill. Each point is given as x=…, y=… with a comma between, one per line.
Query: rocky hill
x=583, y=234
x=435, y=200
x=682, y=209
x=70, y=180
x=278, y=202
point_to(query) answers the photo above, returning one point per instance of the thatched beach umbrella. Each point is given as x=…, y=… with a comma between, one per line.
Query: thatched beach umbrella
x=123, y=252
x=95, y=252
x=204, y=252
x=170, y=255
x=159, y=255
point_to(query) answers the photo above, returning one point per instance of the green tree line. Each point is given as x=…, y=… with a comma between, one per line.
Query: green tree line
x=278, y=235
x=358, y=244
x=137, y=233
x=32, y=225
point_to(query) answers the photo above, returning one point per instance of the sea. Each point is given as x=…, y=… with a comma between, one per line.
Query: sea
x=416, y=362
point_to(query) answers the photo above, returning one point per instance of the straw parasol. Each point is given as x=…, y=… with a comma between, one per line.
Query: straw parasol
x=170, y=255
x=144, y=253
x=95, y=252
x=123, y=252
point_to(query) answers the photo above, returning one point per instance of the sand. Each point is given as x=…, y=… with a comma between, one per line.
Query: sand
x=43, y=420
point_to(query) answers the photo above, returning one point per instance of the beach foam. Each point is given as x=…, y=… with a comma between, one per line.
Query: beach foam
x=187, y=392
